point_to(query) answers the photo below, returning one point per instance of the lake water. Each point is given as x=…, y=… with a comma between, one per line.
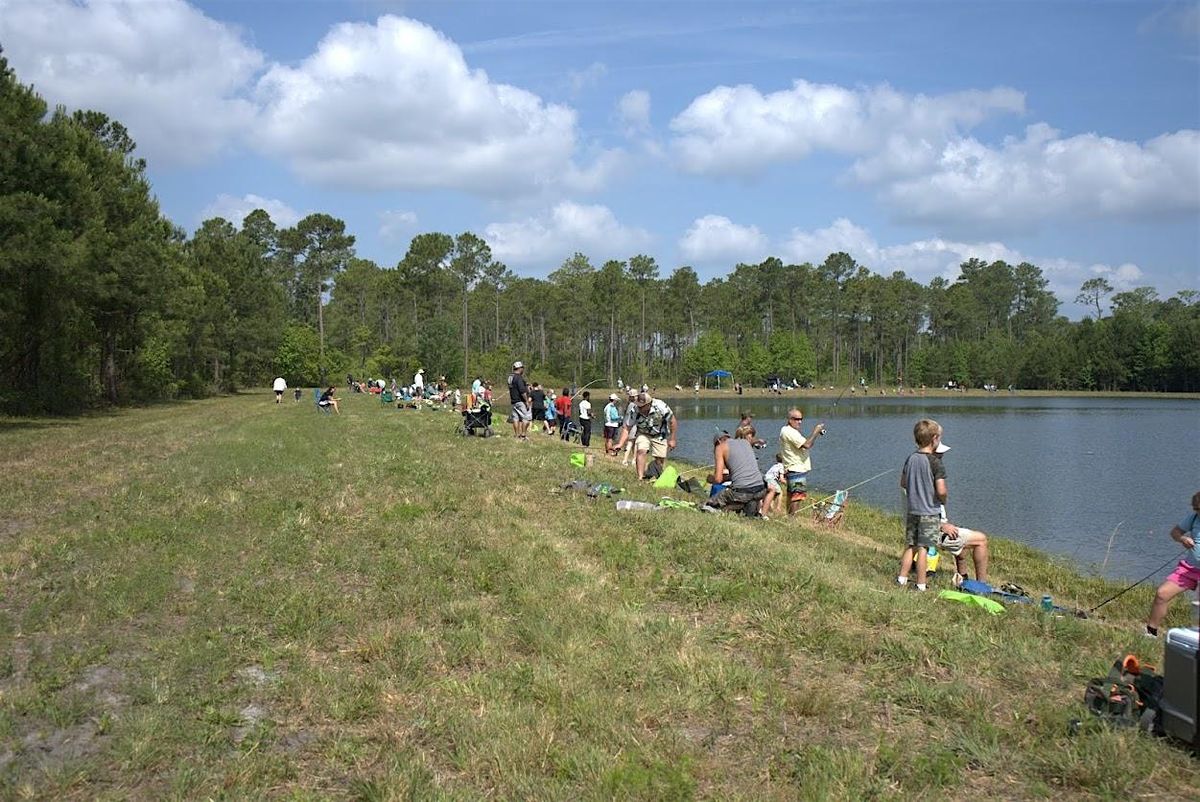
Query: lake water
x=1057, y=473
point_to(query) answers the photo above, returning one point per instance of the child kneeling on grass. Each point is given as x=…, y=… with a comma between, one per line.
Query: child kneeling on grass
x=923, y=479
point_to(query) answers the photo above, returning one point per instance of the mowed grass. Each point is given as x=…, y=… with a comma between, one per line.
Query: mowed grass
x=230, y=599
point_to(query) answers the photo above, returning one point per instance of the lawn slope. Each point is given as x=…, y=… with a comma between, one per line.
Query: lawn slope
x=232, y=599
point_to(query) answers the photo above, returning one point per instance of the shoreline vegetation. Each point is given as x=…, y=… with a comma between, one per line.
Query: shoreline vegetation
x=230, y=597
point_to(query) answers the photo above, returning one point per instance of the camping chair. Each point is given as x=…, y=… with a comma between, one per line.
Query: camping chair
x=831, y=511
x=476, y=419
x=386, y=397
x=571, y=431
x=317, y=401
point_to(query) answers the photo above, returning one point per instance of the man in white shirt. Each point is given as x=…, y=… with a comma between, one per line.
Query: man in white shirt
x=279, y=386
x=585, y=420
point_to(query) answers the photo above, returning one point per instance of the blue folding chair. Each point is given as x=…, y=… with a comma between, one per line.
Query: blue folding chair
x=317, y=401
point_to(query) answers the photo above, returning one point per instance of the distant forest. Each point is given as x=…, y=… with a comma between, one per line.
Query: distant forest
x=104, y=301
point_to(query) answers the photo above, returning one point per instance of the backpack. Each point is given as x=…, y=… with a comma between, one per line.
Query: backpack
x=1129, y=696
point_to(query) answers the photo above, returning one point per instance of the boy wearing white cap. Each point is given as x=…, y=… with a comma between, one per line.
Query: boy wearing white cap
x=957, y=540
x=612, y=421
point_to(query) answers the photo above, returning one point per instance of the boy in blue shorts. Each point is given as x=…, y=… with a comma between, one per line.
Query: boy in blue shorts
x=923, y=479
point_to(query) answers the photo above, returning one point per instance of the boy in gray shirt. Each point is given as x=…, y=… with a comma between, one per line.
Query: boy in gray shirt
x=923, y=480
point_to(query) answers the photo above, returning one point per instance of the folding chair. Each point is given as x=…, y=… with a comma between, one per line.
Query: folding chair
x=571, y=432
x=317, y=401
x=830, y=512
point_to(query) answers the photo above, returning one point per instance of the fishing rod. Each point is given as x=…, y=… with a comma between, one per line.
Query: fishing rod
x=842, y=393
x=1140, y=581
x=584, y=387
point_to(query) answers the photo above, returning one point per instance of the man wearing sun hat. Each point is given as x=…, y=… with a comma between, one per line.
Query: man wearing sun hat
x=656, y=429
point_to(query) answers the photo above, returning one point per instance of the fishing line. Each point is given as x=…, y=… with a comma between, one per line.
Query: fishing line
x=1140, y=581
x=847, y=489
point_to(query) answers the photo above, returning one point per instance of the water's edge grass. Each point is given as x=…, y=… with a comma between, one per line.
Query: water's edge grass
x=231, y=599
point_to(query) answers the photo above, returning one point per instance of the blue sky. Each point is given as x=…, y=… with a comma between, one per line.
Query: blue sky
x=913, y=135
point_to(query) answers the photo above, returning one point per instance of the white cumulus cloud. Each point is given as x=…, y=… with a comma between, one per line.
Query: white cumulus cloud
x=568, y=227
x=1043, y=175
x=235, y=209
x=740, y=131
x=917, y=153
x=395, y=105
x=714, y=238
x=925, y=259
x=173, y=76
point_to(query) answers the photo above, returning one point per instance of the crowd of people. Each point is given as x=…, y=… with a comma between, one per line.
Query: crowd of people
x=646, y=429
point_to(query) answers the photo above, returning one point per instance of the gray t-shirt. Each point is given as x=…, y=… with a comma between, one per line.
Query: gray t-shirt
x=743, y=467
x=919, y=476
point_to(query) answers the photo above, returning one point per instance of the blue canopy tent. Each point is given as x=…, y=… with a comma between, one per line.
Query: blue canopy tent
x=718, y=375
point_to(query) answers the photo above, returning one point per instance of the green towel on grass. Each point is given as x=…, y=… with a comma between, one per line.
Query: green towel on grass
x=995, y=608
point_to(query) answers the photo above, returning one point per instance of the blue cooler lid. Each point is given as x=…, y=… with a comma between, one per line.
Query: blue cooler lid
x=1187, y=638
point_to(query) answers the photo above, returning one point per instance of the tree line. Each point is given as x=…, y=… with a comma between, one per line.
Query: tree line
x=104, y=301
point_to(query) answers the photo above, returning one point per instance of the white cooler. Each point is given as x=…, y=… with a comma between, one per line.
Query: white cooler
x=1179, y=701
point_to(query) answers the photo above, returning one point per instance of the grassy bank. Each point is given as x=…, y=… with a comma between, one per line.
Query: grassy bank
x=232, y=599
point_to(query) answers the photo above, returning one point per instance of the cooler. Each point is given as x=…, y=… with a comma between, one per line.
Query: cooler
x=1179, y=702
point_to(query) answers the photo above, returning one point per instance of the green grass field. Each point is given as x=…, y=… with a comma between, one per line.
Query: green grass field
x=230, y=599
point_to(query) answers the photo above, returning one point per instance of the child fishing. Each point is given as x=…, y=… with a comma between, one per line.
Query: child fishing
x=1186, y=575
x=923, y=480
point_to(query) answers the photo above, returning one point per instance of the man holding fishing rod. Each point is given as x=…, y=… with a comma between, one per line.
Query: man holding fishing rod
x=794, y=448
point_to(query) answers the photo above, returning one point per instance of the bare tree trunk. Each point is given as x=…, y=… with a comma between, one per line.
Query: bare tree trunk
x=466, y=350
x=612, y=345
x=321, y=332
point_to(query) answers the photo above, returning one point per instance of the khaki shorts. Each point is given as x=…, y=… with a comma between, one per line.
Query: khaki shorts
x=657, y=446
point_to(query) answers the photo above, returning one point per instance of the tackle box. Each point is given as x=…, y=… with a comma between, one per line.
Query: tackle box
x=1179, y=701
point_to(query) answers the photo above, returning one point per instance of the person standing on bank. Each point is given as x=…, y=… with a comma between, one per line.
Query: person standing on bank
x=656, y=429
x=797, y=463
x=538, y=397
x=518, y=394
x=1186, y=575
x=612, y=420
x=585, y=419
x=562, y=408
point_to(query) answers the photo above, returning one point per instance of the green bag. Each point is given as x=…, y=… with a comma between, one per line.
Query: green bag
x=667, y=478
x=578, y=459
x=995, y=608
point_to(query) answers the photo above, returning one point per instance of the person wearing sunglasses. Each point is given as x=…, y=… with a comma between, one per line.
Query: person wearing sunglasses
x=797, y=463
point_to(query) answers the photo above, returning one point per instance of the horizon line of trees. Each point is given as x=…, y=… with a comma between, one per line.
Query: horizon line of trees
x=103, y=301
